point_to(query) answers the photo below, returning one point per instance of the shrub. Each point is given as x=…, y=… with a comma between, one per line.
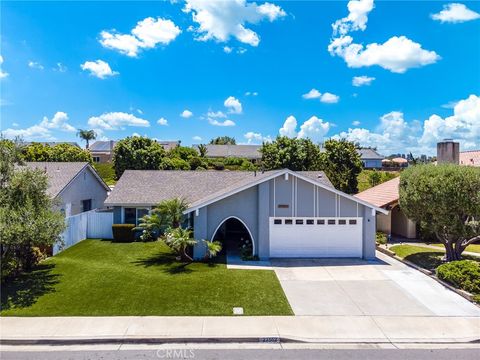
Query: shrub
x=196, y=162
x=123, y=232
x=247, y=166
x=106, y=172
x=233, y=161
x=174, y=164
x=219, y=166
x=381, y=238
x=463, y=274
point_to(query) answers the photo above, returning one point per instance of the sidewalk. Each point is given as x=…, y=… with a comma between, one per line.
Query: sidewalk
x=318, y=329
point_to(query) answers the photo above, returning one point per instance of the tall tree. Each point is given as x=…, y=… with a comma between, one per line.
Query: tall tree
x=342, y=164
x=202, y=150
x=223, y=140
x=60, y=152
x=445, y=201
x=290, y=153
x=86, y=135
x=137, y=153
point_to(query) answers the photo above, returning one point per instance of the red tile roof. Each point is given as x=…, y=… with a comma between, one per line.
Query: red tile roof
x=471, y=158
x=383, y=194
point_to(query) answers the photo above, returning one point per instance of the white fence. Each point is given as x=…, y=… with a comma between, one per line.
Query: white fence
x=91, y=224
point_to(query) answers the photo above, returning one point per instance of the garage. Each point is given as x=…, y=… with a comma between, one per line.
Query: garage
x=299, y=237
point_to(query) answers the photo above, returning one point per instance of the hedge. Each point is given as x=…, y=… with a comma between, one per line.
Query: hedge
x=123, y=232
x=463, y=274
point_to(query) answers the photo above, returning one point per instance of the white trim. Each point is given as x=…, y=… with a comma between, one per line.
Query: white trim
x=246, y=227
x=274, y=200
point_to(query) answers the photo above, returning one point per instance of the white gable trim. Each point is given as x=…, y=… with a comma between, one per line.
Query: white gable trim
x=280, y=173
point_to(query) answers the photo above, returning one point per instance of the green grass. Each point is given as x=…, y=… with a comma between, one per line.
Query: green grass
x=106, y=172
x=471, y=248
x=424, y=257
x=101, y=278
x=364, y=181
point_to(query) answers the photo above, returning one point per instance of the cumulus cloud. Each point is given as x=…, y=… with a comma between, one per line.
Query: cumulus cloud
x=289, y=127
x=116, y=121
x=3, y=74
x=197, y=138
x=314, y=129
x=357, y=18
x=186, y=114
x=327, y=97
x=58, y=122
x=221, y=20
x=256, y=138
x=162, y=121
x=35, y=65
x=98, y=68
x=362, y=80
x=233, y=105
x=216, y=114
x=147, y=34
x=215, y=122
x=455, y=13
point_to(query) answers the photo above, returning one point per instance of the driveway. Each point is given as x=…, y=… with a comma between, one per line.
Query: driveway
x=383, y=287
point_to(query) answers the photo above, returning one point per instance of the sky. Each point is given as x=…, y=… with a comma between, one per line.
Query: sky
x=395, y=75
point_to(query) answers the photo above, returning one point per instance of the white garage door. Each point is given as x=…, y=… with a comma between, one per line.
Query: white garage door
x=315, y=237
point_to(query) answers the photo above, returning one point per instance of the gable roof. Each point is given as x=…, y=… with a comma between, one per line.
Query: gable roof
x=102, y=146
x=244, y=151
x=370, y=154
x=470, y=158
x=61, y=174
x=383, y=194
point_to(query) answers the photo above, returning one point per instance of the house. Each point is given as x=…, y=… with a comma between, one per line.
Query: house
x=250, y=152
x=386, y=196
x=75, y=185
x=282, y=212
x=53, y=143
x=102, y=151
x=371, y=159
x=470, y=158
x=397, y=162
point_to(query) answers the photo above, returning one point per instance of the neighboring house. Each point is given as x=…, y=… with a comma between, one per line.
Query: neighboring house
x=250, y=152
x=52, y=143
x=397, y=162
x=371, y=159
x=470, y=158
x=102, y=151
x=169, y=145
x=283, y=213
x=386, y=196
x=75, y=185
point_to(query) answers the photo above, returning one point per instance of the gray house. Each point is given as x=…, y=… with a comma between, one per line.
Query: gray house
x=371, y=159
x=250, y=152
x=75, y=185
x=283, y=213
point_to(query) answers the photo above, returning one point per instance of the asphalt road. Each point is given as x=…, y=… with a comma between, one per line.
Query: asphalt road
x=238, y=354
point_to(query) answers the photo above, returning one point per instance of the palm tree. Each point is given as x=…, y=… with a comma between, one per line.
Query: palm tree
x=86, y=135
x=213, y=248
x=202, y=149
x=179, y=240
x=171, y=211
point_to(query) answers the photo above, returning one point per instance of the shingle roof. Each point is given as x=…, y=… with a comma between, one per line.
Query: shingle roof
x=59, y=173
x=369, y=154
x=471, y=158
x=102, y=146
x=52, y=143
x=383, y=194
x=168, y=145
x=149, y=187
x=244, y=151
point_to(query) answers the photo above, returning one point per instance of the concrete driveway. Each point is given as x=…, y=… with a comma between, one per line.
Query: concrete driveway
x=384, y=287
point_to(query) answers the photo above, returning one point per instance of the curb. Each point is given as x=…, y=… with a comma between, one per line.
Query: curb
x=429, y=273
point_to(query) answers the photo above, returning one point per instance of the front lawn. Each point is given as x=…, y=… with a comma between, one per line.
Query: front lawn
x=101, y=278
x=471, y=248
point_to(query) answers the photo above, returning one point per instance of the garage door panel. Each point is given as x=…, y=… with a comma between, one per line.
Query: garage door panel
x=323, y=238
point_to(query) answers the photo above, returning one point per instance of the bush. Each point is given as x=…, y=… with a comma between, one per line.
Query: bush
x=463, y=274
x=123, y=232
x=106, y=172
x=381, y=238
x=197, y=162
x=235, y=161
x=219, y=166
x=174, y=164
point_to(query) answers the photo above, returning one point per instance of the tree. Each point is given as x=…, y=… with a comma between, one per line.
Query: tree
x=137, y=153
x=374, y=177
x=342, y=164
x=291, y=153
x=444, y=200
x=60, y=152
x=174, y=164
x=86, y=135
x=202, y=150
x=182, y=152
x=179, y=240
x=213, y=248
x=223, y=140
x=172, y=211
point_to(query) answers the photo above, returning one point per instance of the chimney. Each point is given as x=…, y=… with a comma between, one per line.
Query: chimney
x=448, y=152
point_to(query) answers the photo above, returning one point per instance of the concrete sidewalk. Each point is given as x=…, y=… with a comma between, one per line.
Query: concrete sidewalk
x=318, y=329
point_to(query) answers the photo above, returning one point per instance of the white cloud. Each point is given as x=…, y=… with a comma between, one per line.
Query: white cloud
x=135, y=134
x=3, y=74
x=216, y=114
x=58, y=122
x=362, y=80
x=289, y=127
x=162, y=121
x=98, y=68
x=221, y=123
x=251, y=93
x=455, y=13
x=256, y=138
x=35, y=65
x=314, y=129
x=233, y=105
x=227, y=49
x=356, y=123
x=186, y=114
x=197, y=138
x=397, y=54
x=116, y=121
x=327, y=97
x=357, y=17
x=147, y=34
x=221, y=20
x=60, y=67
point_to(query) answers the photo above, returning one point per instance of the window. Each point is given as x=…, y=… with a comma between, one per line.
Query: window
x=283, y=206
x=299, y=222
x=321, y=222
x=288, y=221
x=87, y=205
x=352, y=222
x=342, y=222
x=277, y=221
x=96, y=159
x=130, y=216
x=141, y=213
x=331, y=222
x=310, y=222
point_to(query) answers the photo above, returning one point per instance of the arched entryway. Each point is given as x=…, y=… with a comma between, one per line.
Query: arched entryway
x=234, y=235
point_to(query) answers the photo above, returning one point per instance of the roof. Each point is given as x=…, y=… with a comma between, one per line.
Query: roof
x=52, y=143
x=60, y=174
x=398, y=160
x=471, y=158
x=383, y=194
x=149, y=187
x=169, y=145
x=244, y=151
x=367, y=153
x=102, y=146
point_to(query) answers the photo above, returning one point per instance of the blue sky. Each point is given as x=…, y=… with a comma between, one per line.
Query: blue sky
x=192, y=70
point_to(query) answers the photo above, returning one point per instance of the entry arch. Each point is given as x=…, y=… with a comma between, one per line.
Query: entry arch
x=254, y=243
